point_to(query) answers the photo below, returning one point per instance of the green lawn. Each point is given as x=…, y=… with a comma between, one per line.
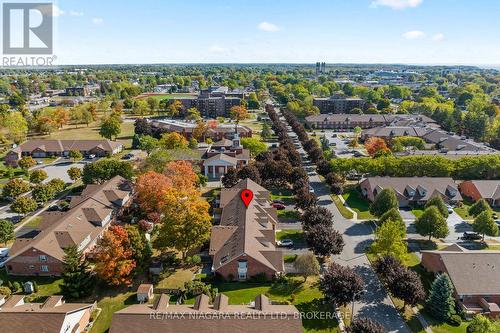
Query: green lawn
x=356, y=202
x=176, y=279
x=289, y=258
x=463, y=210
x=340, y=206
x=46, y=286
x=417, y=212
x=34, y=222
x=109, y=305
x=283, y=194
x=297, y=236
x=167, y=96
x=288, y=214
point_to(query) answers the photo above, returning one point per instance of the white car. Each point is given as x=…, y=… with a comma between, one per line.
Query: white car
x=286, y=243
x=91, y=156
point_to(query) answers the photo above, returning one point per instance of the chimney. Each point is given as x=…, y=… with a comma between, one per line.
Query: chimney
x=262, y=303
x=221, y=302
x=162, y=303
x=201, y=303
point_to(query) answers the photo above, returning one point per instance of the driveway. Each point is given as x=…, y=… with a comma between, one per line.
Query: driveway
x=60, y=170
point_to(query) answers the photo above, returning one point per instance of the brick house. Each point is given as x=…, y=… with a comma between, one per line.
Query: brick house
x=488, y=190
x=41, y=251
x=244, y=244
x=59, y=148
x=52, y=316
x=474, y=274
x=412, y=190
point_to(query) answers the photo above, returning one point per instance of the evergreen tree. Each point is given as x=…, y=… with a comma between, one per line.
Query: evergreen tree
x=77, y=278
x=441, y=303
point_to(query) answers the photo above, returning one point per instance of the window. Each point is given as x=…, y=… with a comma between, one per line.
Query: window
x=44, y=268
x=32, y=266
x=42, y=258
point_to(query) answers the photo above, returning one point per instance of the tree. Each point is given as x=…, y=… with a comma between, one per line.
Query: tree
x=478, y=207
x=148, y=143
x=26, y=162
x=110, y=127
x=307, y=265
x=173, y=140
x=140, y=246
x=74, y=173
x=375, y=146
x=37, y=176
x=305, y=199
x=77, y=278
x=105, y=169
x=407, y=286
x=75, y=155
x=6, y=231
x=341, y=285
x=193, y=114
x=249, y=171
x=193, y=143
x=438, y=202
x=23, y=205
x=14, y=188
x=266, y=131
x=239, y=112
x=389, y=239
x=141, y=107
x=43, y=193
x=441, y=303
x=153, y=103
x=324, y=241
x=316, y=215
x=254, y=145
x=181, y=174
x=186, y=223
x=431, y=223
x=150, y=189
x=480, y=324
x=485, y=225
x=230, y=178
x=387, y=266
x=57, y=184
x=365, y=325
x=392, y=214
x=384, y=201
x=113, y=257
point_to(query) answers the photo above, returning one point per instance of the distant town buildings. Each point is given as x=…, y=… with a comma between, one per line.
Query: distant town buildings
x=338, y=103
x=320, y=68
x=346, y=121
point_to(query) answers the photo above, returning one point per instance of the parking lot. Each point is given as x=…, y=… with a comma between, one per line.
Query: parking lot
x=60, y=170
x=339, y=143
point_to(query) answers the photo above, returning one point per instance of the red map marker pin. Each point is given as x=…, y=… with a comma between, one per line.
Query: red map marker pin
x=246, y=196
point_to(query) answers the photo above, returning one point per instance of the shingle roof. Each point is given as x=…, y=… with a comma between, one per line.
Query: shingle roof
x=65, y=145
x=472, y=272
x=75, y=225
x=488, y=189
x=246, y=230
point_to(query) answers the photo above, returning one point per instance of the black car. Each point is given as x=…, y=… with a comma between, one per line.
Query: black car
x=278, y=201
x=471, y=236
x=127, y=156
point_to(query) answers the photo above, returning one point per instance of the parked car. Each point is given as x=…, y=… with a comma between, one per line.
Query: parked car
x=91, y=156
x=471, y=236
x=127, y=156
x=279, y=206
x=286, y=243
x=2, y=262
x=333, y=143
x=334, y=135
x=450, y=209
x=39, y=162
x=494, y=215
x=53, y=208
x=278, y=201
x=4, y=252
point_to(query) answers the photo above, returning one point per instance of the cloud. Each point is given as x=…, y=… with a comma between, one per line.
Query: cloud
x=215, y=48
x=396, y=4
x=269, y=27
x=438, y=37
x=97, y=20
x=75, y=13
x=414, y=34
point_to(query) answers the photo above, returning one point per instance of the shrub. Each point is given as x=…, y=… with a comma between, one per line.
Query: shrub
x=196, y=259
x=455, y=320
x=258, y=278
x=5, y=291
x=16, y=286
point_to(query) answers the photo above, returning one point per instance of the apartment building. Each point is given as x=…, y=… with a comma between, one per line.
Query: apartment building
x=338, y=103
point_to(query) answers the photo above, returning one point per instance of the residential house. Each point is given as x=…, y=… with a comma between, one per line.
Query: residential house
x=40, y=148
x=51, y=316
x=243, y=244
x=224, y=155
x=222, y=317
x=474, y=275
x=186, y=128
x=488, y=190
x=412, y=190
x=40, y=251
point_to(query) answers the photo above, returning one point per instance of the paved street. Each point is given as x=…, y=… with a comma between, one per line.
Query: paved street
x=375, y=302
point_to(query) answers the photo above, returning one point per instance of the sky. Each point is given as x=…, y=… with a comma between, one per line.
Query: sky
x=277, y=31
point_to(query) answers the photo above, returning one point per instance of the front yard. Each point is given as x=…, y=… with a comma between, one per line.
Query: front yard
x=357, y=203
x=297, y=236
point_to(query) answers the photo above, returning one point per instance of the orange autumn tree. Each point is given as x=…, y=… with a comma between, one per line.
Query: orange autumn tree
x=239, y=112
x=186, y=223
x=150, y=188
x=113, y=257
x=376, y=146
x=173, y=141
x=181, y=174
